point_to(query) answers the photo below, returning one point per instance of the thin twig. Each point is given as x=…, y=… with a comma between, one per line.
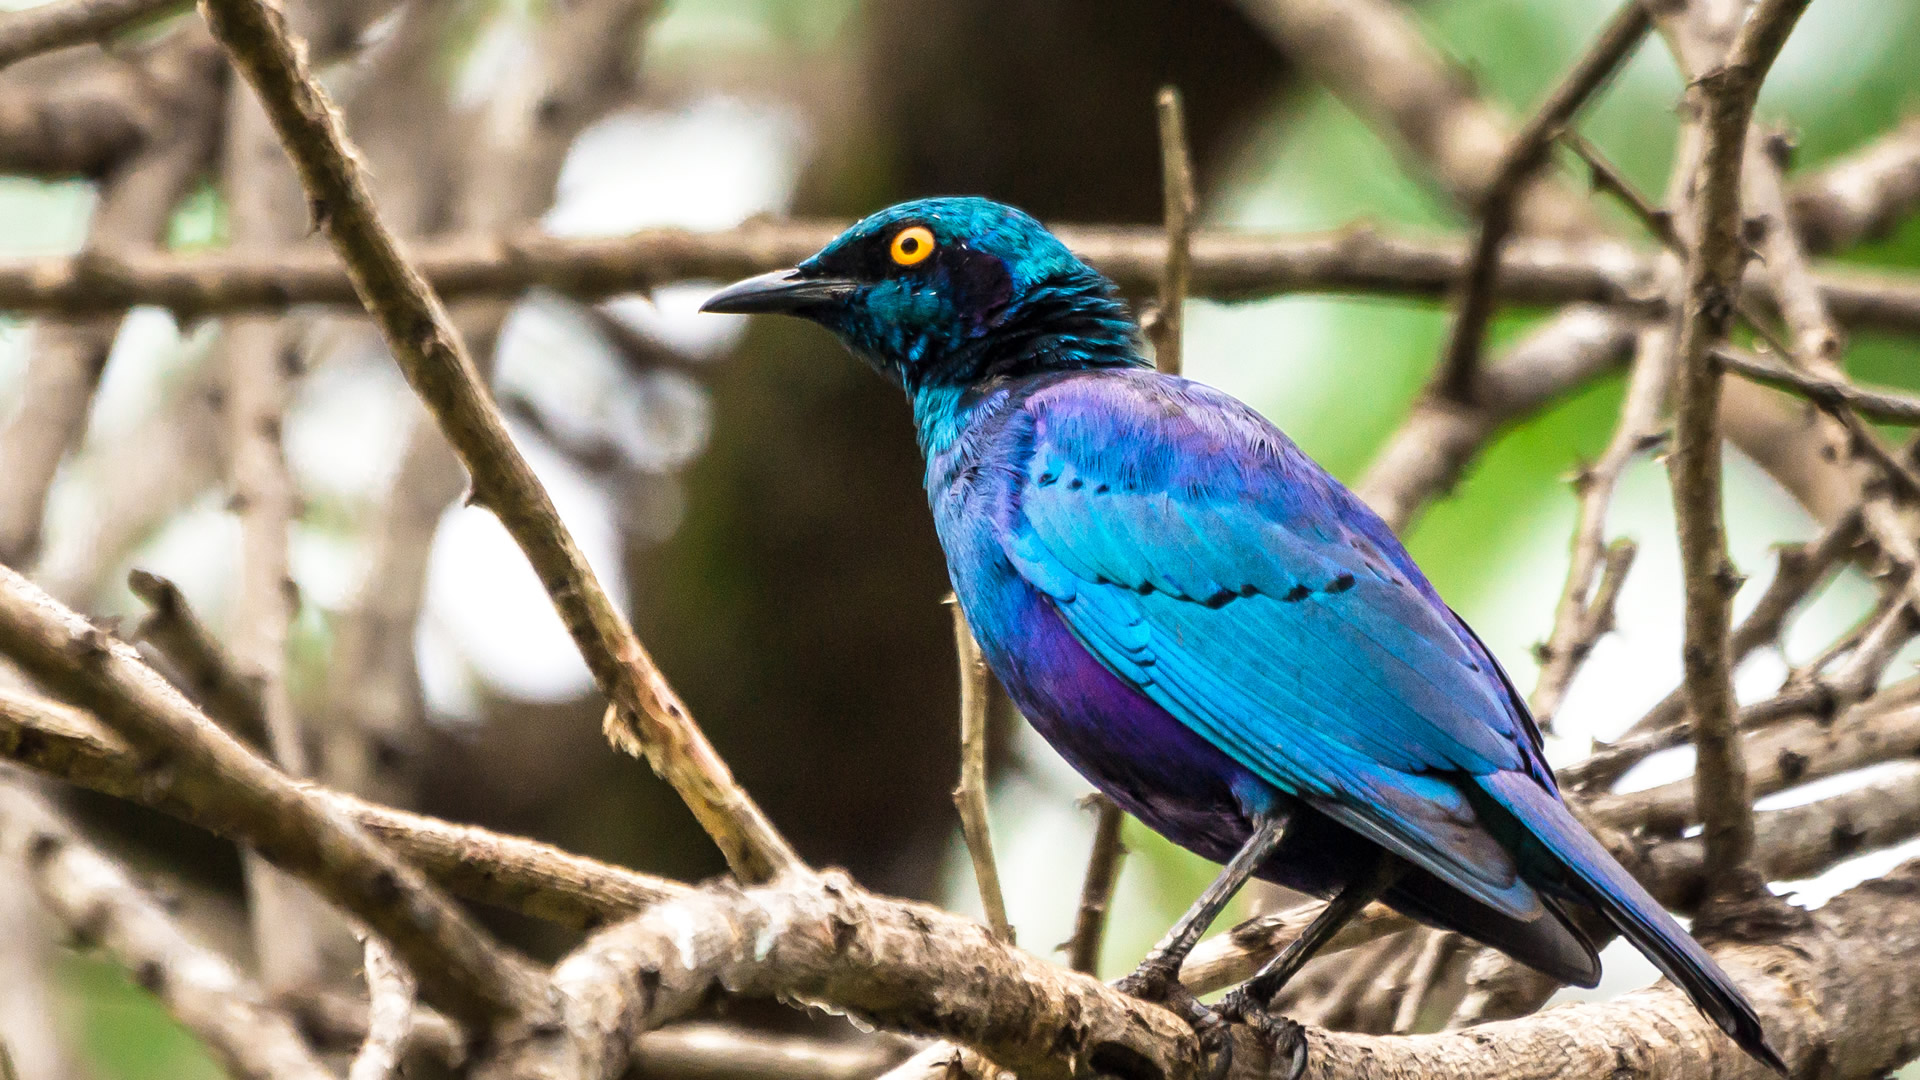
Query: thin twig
x=1726, y=98
x=389, y=1016
x=1597, y=570
x=197, y=658
x=970, y=797
x=646, y=716
x=1176, y=179
x=1096, y=889
x=1873, y=403
x=1528, y=151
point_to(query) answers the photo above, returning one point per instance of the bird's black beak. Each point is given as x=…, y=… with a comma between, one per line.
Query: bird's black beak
x=781, y=291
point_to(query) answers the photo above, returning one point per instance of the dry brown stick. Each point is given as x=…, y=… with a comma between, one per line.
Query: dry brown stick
x=645, y=717
x=1176, y=173
x=1873, y=821
x=1725, y=98
x=821, y=938
x=190, y=758
x=970, y=797
x=1096, y=887
x=535, y=879
x=72, y=22
x=102, y=906
x=1227, y=265
x=389, y=1016
x=1526, y=154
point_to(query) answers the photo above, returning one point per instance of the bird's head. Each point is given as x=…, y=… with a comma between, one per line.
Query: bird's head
x=951, y=292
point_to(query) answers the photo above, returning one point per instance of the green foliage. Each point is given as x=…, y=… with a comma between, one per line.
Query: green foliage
x=124, y=1033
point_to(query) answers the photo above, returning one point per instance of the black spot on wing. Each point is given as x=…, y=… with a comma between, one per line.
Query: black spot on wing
x=1339, y=585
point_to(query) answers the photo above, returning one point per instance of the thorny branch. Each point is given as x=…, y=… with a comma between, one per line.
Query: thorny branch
x=1725, y=98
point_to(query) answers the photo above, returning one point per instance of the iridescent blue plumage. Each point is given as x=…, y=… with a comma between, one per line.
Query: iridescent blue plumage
x=1207, y=625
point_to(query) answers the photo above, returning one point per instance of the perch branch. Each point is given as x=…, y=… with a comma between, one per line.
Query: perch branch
x=72, y=22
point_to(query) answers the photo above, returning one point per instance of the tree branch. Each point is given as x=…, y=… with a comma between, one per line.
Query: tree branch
x=389, y=1016
x=1725, y=98
x=1176, y=171
x=535, y=879
x=646, y=717
x=1096, y=889
x=970, y=797
x=97, y=900
x=1524, y=156
x=72, y=22
x=193, y=760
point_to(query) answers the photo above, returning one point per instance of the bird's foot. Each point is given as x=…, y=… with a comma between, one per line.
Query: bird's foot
x=1286, y=1040
x=1159, y=984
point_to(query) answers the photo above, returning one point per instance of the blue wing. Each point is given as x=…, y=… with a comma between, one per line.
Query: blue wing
x=1206, y=561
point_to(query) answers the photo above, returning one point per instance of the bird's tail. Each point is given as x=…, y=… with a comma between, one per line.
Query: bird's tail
x=1605, y=884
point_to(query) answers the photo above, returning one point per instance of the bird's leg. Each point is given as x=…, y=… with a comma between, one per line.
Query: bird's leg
x=1250, y=999
x=1364, y=889
x=1158, y=975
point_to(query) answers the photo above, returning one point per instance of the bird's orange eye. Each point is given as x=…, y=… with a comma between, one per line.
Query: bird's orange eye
x=912, y=245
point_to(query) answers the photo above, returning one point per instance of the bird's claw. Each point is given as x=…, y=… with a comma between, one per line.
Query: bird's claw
x=1151, y=981
x=1285, y=1038
x=1160, y=985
